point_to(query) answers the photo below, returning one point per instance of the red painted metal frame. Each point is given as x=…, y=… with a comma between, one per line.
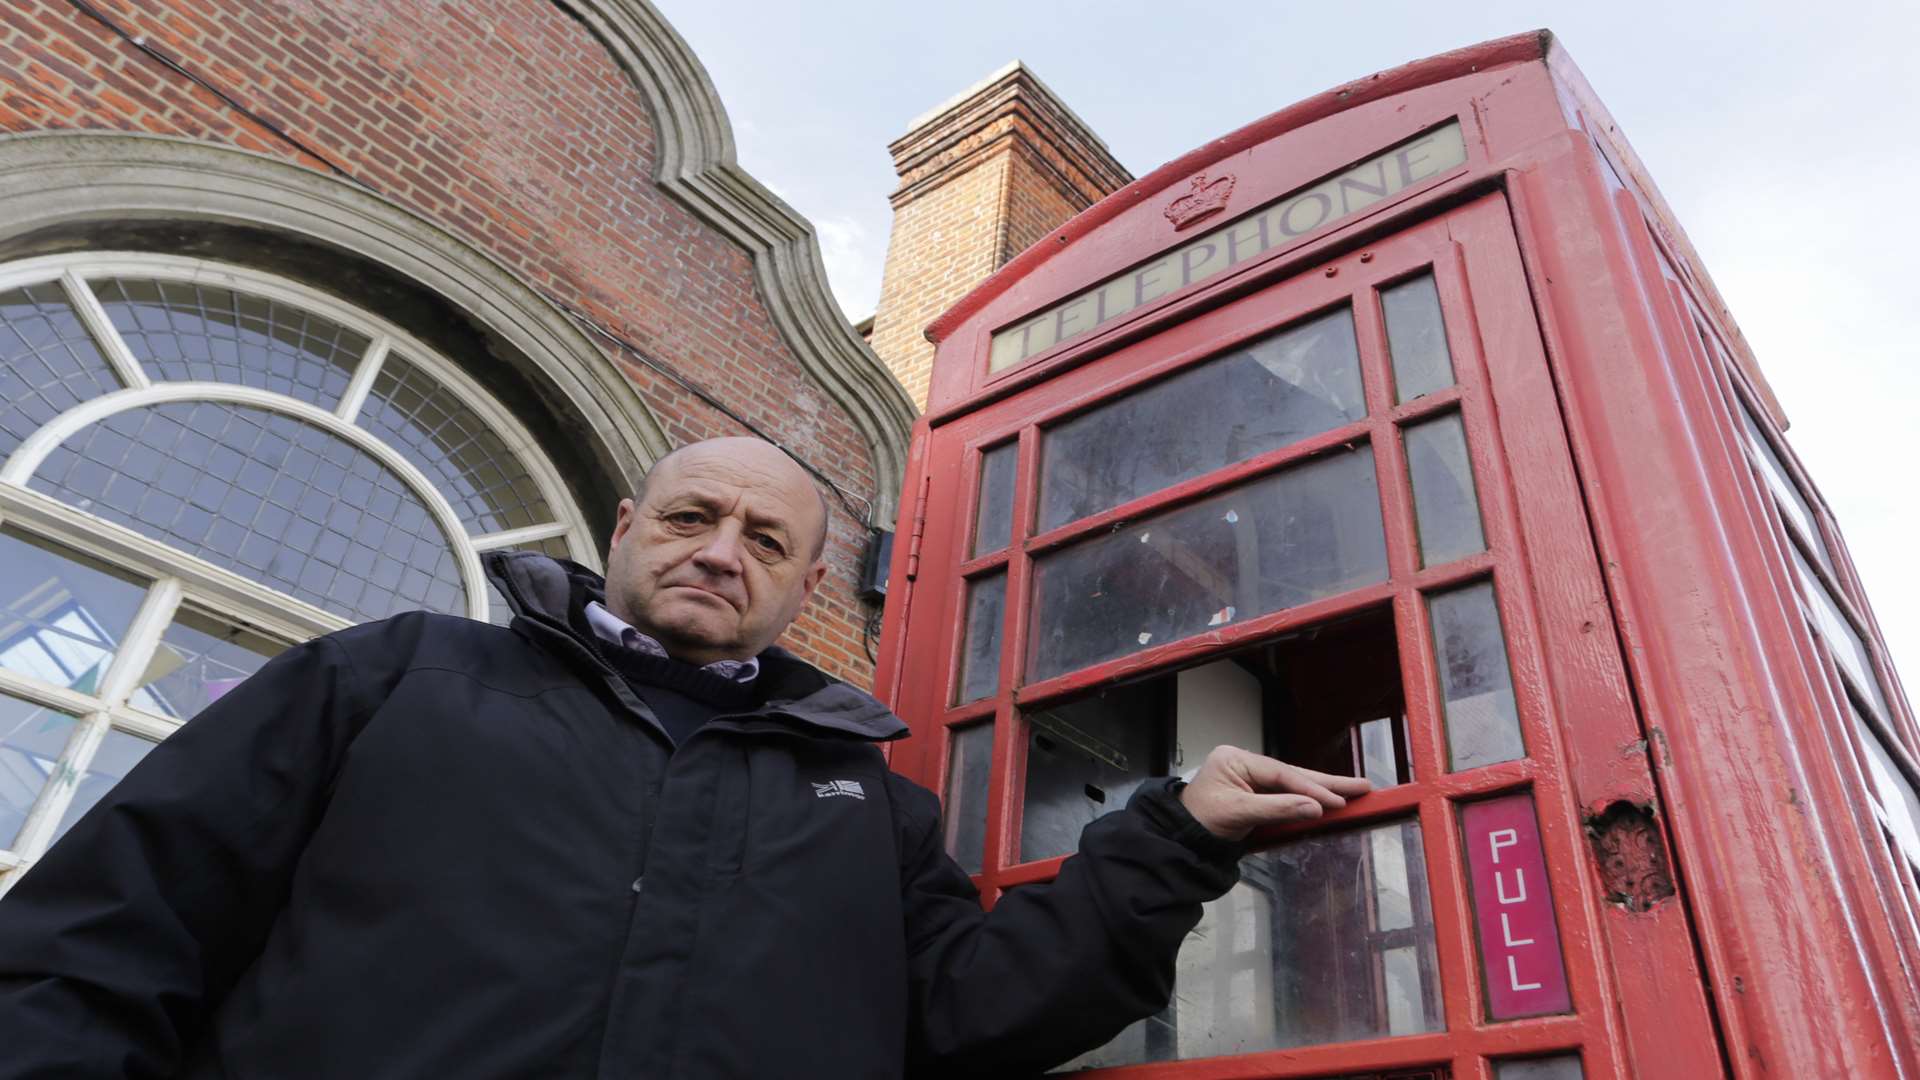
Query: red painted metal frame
x=1659, y=653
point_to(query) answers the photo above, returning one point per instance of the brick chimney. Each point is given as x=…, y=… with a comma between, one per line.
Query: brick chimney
x=982, y=178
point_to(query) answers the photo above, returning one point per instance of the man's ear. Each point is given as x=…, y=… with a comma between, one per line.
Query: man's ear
x=624, y=517
x=815, y=574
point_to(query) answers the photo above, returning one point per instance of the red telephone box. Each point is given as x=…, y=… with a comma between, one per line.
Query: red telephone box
x=1402, y=433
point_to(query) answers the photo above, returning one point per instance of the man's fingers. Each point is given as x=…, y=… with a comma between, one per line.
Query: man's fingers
x=1344, y=785
x=1278, y=809
x=1348, y=786
x=1272, y=775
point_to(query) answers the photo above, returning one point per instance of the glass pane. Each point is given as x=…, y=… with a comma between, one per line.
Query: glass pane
x=1564, y=1067
x=64, y=614
x=963, y=812
x=1834, y=627
x=32, y=739
x=118, y=753
x=1300, y=953
x=48, y=362
x=265, y=495
x=185, y=331
x=1086, y=758
x=1786, y=494
x=1282, y=540
x=1276, y=391
x=1483, y=726
x=1443, y=498
x=199, y=659
x=980, y=655
x=469, y=462
x=1898, y=804
x=1381, y=761
x=993, y=518
x=1417, y=338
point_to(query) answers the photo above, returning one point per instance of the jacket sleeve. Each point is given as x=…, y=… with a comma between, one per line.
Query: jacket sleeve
x=1056, y=969
x=115, y=946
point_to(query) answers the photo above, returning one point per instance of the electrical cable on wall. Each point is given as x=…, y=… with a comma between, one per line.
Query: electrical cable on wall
x=847, y=499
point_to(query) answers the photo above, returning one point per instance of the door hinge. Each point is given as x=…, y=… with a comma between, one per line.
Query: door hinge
x=919, y=529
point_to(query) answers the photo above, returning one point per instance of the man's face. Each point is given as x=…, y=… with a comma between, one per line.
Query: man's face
x=718, y=556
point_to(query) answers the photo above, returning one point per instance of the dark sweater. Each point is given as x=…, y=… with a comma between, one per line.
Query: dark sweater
x=682, y=696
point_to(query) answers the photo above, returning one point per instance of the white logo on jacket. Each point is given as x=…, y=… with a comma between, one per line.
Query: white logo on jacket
x=849, y=788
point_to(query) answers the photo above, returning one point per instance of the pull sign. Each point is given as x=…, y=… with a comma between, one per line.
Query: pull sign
x=1520, y=960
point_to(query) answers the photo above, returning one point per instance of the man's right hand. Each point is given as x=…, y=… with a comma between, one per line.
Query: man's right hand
x=1237, y=791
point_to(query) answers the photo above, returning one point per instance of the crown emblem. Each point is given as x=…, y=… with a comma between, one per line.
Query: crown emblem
x=1203, y=200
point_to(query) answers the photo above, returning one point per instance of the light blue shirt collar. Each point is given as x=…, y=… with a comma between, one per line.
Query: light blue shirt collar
x=613, y=630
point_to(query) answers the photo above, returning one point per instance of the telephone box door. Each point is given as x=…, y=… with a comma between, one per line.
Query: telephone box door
x=1334, y=519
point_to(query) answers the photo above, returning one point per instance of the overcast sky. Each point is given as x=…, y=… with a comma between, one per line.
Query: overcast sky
x=1783, y=135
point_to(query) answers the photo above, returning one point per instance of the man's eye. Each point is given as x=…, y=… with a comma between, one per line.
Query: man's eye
x=769, y=545
x=685, y=517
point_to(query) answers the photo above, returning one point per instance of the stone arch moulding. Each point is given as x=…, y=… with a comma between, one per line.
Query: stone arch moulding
x=697, y=164
x=54, y=179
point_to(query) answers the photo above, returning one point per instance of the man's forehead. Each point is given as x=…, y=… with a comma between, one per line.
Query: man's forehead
x=716, y=475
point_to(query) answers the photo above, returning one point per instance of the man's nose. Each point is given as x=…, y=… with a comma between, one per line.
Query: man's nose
x=722, y=552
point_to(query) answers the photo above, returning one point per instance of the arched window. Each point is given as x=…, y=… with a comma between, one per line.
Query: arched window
x=200, y=465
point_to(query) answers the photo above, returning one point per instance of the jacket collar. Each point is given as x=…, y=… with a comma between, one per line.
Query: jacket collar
x=548, y=597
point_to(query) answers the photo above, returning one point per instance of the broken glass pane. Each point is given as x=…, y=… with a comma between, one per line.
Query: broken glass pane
x=1483, y=724
x=200, y=658
x=993, y=520
x=1326, y=939
x=1443, y=498
x=1273, y=543
x=1325, y=697
x=1417, y=338
x=980, y=655
x=1260, y=397
x=964, y=811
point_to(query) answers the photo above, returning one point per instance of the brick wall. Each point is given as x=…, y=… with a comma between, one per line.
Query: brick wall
x=943, y=243
x=982, y=178
x=507, y=123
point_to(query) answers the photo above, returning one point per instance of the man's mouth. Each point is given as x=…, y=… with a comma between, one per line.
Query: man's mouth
x=710, y=594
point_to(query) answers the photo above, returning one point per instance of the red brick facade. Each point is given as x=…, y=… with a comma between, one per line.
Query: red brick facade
x=508, y=124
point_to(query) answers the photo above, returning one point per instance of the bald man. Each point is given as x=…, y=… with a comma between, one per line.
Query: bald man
x=625, y=837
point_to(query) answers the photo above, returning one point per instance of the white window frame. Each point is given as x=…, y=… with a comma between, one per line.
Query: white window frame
x=175, y=577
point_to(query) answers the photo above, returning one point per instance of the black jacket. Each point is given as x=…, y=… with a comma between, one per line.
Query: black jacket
x=422, y=848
